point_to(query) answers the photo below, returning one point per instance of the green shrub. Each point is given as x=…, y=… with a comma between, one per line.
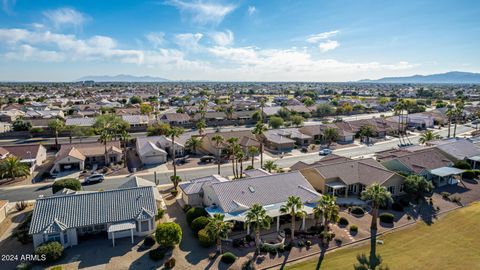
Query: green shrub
x=342, y=221
x=198, y=224
x=204, y=238
x=353, y=229
x=356, y=210
x=249, y=167
x=24, y=266
x=446, y=195
x=228, y=258
x=51, y=250
x=70, y=183
x=469, y=174
x=387, y=218
x=397, y=207
x=156, y=254
x=160, y=214
x=168, y=234
x=174, y=192
x=194, y=213
x=462, y=164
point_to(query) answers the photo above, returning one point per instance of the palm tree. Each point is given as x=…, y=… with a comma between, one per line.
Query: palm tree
x=201, y=125
x=450, y=113
x=124, y=138
x=399, y=108
x=218, y=139
x=294, y=208
x=330, y=210
x=257, y=215
x=104, y=138
x=217, y=229
x=428, y=136
x=252, y=152
x=270, y=165
x=233, y=149
x=330, y=135
x=240, y=157
x=194, y=143
x=379, y=196
x=458, y=113
x=173, y=133
x=12, y=167
x=56, y=125
x=229, y=112
x=259, y=129
x=262, y=105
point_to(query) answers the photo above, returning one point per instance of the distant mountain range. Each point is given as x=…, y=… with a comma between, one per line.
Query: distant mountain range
x=456, y=77
x=123, y=78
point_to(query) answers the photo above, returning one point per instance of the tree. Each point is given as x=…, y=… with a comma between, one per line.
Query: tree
x=459, y=106
x=218, y=229
x=257, y=116
x=157, y=129
x=257, y=215
x=193, y=143
x=275, y=122
x=252, y=152
x=325, y=109
x=229, y=112
x=258, y=131
x=450, y=114
x=146, y=109
x=109, y=127
x=294, y=208
x=428, y=136
x=367, y=131
x=56, y=125
x=240, y=158
x=219, y=140
x=270, y=165
x=297, y=120
x=168, y=234
x=124, y=138
x=12, y=167
x=379, y=196
x=70, y=183
x=20, y=125
x=329, y=209
x=135, y=100
x=417, y=186
x=201, y=125
x=173, y=133
x=330, y=135
x=233, y=148
x=308, y=101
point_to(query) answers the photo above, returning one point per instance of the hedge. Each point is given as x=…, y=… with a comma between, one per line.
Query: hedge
x=194, y=213
x=70, y=183
x=198, y=224
x=168, y=234
x=386, y=217
x=228, y=258
x=51, y=250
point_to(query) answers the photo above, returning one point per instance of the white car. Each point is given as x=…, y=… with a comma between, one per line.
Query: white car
x=325, y=152
x=94, y=178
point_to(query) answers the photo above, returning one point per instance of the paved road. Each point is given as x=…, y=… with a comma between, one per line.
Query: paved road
x=33, y=191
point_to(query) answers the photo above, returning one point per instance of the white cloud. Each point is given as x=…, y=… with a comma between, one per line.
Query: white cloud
x=201, y=11
x=7, y=5
x=222, y=38
x=318, y=37
x=65, y=17
x=252, y=10
x=156, y=39
x=188, y=41
x=328, y=45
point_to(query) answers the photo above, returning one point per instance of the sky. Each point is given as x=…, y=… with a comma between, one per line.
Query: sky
x=242, y=40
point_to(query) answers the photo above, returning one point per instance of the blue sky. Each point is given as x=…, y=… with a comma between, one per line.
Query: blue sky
x=264, y=40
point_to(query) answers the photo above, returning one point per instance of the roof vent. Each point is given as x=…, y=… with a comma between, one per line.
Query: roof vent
x=251, y=189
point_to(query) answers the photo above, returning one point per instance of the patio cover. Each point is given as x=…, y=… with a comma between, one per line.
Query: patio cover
x=336, y=184
x=121, y=226
x=446, y=171
x=475, y=158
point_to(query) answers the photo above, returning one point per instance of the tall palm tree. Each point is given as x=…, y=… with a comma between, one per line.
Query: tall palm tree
x=428, y=136
x=218, y=229
x=233, y=150
x=219, y=140
x=259, y=129
x=270, y=165
x=124, y=138
x=330, y=210
x=229, y=112
x=257, y=215
x=294, y=208
x=12, y=167
x=458, y=113
x=252, y=152
x=240, y=157
x=193, y=143
x=262, y=105
x=173, y=133
x=450, y=114
x=201, y=125
x=56, y=125
x=104, y=138
x=379, y=196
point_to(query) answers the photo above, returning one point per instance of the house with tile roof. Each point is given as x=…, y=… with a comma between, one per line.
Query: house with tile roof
x=112, y=214
x=155, y=149
x=192, y=190
x=458, y=149
x=246, y=139
x=33, y=155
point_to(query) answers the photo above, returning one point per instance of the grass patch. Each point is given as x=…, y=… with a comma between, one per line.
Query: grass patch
x=450, y=243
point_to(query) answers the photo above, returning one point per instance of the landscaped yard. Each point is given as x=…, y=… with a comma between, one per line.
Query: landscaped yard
x=450, y=243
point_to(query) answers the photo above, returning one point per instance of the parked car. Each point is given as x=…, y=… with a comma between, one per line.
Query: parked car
x=94, y=178
x=207, y=159
x=325, y=152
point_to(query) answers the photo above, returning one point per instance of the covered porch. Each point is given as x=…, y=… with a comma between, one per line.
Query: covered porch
x=446, y=175
x=120, y=230
x=475, y=161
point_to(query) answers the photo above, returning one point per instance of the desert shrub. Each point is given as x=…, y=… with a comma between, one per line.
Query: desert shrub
x=357, y=211
x=353, y=229
x=204, y=238
x=174, y=192
x=455, y=199
x=228, y=258
x=386, y=217
x=446, y=195
x=70, y=183
x=51, y=250
x=198, y=224
x=149, y=241
x=160, y=214
x=156, y=254
x=249, y=167
x=342, y=221
x=194, y=213
x=397, y=207
x=170, y=263
x=20, y=206
x=168, y=234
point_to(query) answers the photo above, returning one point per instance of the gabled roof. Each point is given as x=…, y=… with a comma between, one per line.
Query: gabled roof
x=195, y=185
x=427, y=159
x=459, y=148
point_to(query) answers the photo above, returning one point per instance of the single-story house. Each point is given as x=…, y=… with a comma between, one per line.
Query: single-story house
x=192, y=190
x=459, y=149
x=256, y=173
x=276, y=142
x=174, y=119
x=110, y=214
x=136, y=181
x=80, y=122
x=246, y=137
x=155, y=149
x=33, y=155
x=317, y=133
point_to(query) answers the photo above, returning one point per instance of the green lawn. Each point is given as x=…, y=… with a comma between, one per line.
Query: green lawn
x=453, y=242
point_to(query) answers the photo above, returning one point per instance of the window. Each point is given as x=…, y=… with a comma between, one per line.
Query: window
x=65, y=238
x=144, y=226
x=54, y=237
x=391, y=189
x=401, y=188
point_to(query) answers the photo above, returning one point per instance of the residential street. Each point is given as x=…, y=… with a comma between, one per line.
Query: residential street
x=33, y=191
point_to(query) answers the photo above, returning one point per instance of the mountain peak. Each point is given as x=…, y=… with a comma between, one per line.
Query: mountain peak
x=456, y=77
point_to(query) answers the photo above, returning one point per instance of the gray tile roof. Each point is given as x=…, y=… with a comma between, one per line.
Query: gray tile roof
x=459, y=149
x=265, y=190
x=85, y=209
x=195, y=185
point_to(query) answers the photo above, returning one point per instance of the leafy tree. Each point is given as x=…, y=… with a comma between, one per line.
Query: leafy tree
x=417, y=185
x=257, y=116
x=12, y=167
x=378, y=196
x=70, y=183
x=201, y=125
x=108, y=127
x=330, y=135
x=135, y=100
x=257, y=215
x=56, y=125
x=218, y=229
x=146, y=109
x=252, y=152
x=51, y=250
x=168, y=234
x=428, y=136
x=367, y=131
x=297, y=120
x=20, y=125
x=462, y=164
x=325, y=109
x=157, y=129
x=275, y=122
x=308, y=101
x=284, y=113
x=294, y=208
